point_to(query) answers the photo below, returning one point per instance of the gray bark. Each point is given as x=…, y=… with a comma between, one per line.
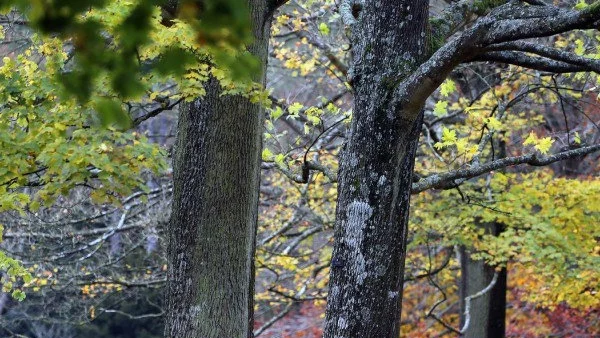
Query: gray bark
x=392, y=77
x=375, y=176
x=212, y=230
x=3, y=302
x=488, y=312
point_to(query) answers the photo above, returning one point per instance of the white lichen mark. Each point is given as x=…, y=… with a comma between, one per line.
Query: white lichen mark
x=357, y=215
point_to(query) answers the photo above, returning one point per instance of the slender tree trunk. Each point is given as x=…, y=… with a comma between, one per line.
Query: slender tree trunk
x=375, y=176
x=212, y=230
x=488, y=312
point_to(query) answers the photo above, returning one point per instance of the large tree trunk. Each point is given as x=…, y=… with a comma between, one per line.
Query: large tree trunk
x=488, y=312
x=212, y=230
x=375, y=176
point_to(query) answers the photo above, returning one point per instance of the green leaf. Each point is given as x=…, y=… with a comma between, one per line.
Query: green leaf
x=276, y=113
x=544, y=145
x=577, y=138
x=531, y=139
x=581, y=5
x=279, y=159
x=295, y=108
x=111, y=113
x=267, y=155
x=493, y=123
x=174, y=61
x=580, y=48
x=448, y=87
x=18, y=295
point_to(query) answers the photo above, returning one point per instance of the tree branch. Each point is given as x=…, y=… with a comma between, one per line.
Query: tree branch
x=447, y=179
x=536, y=63
x=550, y=53
x=274, y=4
x=164, y=106
x=535, y=2
x=130, y=316
x=327, y=50
x=509, y=22
x=274, y=319
x=514, y=21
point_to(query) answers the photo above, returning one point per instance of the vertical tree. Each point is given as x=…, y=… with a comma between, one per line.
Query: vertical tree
x=486, y=314
x=396, y=65
x=376, y=170
x=212, y=230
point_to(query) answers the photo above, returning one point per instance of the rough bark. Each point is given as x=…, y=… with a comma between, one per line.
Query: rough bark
x=392, y=78
x=375, y=173
x=212, y=229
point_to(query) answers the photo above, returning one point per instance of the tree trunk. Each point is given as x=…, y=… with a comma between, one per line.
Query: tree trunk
x=212, y=230
x=488, y=312
x=375, y=176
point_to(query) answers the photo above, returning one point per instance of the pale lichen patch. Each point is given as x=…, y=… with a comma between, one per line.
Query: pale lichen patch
x=357, y=215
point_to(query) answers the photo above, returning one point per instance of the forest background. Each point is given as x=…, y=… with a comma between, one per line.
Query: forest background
x=86, y=176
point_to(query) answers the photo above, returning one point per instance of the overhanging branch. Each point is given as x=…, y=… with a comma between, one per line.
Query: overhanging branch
x=514, y=21
x=274, y=4
x=506, y=23
x=531, y=62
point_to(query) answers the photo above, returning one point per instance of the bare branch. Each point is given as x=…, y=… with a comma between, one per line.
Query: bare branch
x=431, y=272
x=514, y=21
x=509, y=22
x=446, y=180
x=274, y=319
x=536, y=63
x=548, y=52
x=130, y=316
x=163, y=107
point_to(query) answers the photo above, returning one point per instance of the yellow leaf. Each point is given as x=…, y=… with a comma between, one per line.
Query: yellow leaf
x=447, y=88
x=448, y=136
x=493, y=123
x=531, y=139
x=543, y=145
x=267, y=155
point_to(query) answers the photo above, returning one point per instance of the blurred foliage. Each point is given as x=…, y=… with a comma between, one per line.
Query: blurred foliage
x=71, y=96
x=105, y=38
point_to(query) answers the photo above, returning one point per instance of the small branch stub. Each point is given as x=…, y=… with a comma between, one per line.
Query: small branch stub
x=350, y=10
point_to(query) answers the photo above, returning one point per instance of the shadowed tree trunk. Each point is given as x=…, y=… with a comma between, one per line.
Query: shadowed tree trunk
x=488, y=312
x=212, y=230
